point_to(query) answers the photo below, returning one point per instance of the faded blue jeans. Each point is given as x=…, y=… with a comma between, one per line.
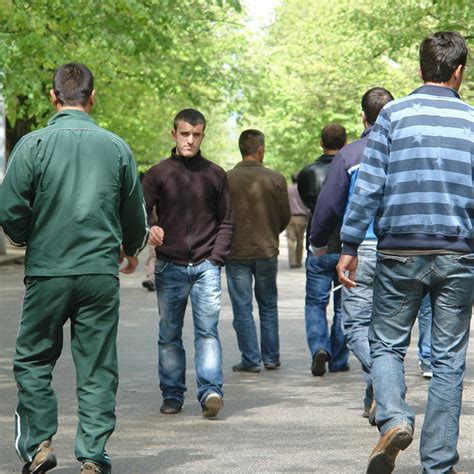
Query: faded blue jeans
x=400, y=283
x=357, y=312
x=240, y=276
x=174, y=284
x=424, y=333
x=321, y=276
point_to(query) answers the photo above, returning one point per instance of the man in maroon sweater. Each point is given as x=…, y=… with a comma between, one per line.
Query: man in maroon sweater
x=192, y=240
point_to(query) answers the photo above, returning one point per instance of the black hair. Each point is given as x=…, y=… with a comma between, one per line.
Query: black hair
x=373, y=102
x=250, y=140
x=333, y=136
x=191, y=116
x=440, y=55
x=73, y=84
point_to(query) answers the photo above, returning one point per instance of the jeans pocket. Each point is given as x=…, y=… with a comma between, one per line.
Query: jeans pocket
x=394, y=258
x=161, y=266
x=466, y=259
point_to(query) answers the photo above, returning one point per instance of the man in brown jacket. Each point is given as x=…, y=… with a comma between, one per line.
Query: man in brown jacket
x=260, y=202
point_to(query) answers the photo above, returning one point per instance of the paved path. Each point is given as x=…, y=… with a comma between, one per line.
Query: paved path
x=275, y=421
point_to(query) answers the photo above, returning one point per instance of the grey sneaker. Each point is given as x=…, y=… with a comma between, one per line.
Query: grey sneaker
x=212, y=405
x=43, y=461
x=90, y=467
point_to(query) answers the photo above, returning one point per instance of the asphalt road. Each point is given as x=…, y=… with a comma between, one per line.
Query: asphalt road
x=274, y=421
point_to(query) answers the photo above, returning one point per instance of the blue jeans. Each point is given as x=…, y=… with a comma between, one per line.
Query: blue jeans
x=320, y=277
x=424, y=331
x=240, y=274
x=174, y=284
x=400, y=284
x=357, y=312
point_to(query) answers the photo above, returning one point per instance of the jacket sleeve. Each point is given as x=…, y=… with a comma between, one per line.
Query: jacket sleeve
x=285, y=212
x=306, y=190
x=132, y=210
x=17, y=194
x=225, y=226
x=151, y=191
x=369, y=186
x=332, y=200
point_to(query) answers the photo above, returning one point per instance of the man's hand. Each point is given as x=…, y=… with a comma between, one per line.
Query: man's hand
x=347, y=263
x=132, y=263
x=157, y=235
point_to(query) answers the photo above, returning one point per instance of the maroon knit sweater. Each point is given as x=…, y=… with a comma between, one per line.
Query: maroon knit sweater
x=192, y=202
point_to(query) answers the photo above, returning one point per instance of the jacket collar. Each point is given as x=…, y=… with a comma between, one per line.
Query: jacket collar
x=184, y=159
x=66, y=113
x=436, y=91
x=367, y=131
x=325, y=158
x=248, y=163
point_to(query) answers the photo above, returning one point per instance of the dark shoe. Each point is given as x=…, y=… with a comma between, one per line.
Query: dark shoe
x=43, y=461
x=212, y=405
x=242, y=368
x=318, y=367
x=171, y=406
x=344, y=368
x=372, y=411
x=90, y=467
x=272, y=365
x=382, y=459
x=149, y=285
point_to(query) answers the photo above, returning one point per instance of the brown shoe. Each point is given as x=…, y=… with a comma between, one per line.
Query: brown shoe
x=43, y=461
x=382, y=459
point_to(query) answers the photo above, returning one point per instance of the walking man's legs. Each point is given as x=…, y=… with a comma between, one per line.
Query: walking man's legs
x=239, y=282
x=267, y=298
x=172, y=288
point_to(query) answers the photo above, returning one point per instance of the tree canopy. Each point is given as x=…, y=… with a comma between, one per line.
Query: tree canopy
x=151, y=58
x=320, y=57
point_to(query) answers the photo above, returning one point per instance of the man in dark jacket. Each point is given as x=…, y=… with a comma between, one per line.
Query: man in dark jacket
x=321, y=270
x=192, y=239
x=72, y=195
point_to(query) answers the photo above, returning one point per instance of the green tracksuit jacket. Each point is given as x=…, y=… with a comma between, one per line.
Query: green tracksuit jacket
x=72, y=195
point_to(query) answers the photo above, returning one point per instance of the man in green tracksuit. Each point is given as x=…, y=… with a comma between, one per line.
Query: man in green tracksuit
x=71, y=194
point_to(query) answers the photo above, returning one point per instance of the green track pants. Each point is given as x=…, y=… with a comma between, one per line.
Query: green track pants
x=91, y=303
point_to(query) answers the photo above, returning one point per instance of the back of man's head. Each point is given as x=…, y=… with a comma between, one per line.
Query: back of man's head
x=440, y=54
x=333, y=136
x=191, y=116
x=249, y=141
x=373, y=101
x=73, y=84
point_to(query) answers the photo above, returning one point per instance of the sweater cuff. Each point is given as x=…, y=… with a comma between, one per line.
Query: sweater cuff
x=349, y=249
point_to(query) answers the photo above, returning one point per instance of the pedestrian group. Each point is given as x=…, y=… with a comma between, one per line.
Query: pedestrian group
x=389, y=236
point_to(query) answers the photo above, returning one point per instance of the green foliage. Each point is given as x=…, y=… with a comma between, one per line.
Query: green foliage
x=149, y=58
x=320, y=57
x=152, y=58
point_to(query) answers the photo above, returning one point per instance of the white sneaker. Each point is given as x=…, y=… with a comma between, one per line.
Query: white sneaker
x=212, y=405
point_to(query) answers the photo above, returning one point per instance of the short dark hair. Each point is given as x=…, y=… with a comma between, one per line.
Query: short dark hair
x=440, y=55
x=250, y=140
x=373, y=102
x=191, y=116
x=333, y=136
x=73, y=84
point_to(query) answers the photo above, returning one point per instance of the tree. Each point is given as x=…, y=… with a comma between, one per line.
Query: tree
x=320, y=57
x=150, y=59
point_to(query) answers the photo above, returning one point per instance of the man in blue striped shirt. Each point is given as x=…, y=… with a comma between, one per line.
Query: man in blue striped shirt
x=416, y=179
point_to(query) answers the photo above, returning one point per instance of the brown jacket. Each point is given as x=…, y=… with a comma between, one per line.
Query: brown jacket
x=260, y=201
